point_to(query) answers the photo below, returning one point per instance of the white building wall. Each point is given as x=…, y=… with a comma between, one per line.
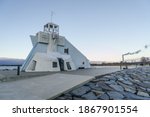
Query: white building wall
x=39, y=47
x=77, y=57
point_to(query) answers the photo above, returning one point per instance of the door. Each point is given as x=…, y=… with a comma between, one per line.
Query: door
x=61, y=64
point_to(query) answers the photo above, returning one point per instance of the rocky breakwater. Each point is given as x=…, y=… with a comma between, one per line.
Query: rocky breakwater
x=130, y=84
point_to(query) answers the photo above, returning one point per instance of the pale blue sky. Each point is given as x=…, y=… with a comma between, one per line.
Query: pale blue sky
x=101, y=29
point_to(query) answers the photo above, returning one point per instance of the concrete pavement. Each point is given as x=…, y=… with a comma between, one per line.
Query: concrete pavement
x=48, y=86
x=43, y=87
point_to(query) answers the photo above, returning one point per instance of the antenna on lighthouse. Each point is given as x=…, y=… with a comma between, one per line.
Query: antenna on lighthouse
x=52, y=13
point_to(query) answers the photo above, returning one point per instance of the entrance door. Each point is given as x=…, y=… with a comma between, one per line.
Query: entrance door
x=61, y=64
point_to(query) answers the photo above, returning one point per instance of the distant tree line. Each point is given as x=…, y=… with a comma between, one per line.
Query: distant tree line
x=142, y=61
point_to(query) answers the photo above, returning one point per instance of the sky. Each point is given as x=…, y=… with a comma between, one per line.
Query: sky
x=102, y=30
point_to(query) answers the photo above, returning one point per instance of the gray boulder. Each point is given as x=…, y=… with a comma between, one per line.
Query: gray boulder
x=117, y=87
x=89, y=96
x=104, y=97
x=132, y=96
x=115, y=95
x=80, y=91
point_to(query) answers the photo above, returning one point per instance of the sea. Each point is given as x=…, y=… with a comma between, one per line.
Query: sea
x=6, y=68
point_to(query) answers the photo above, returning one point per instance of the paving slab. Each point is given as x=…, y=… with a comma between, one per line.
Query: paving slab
x=41, y=88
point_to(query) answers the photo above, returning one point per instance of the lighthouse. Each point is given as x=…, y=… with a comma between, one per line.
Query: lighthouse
x=53, y=52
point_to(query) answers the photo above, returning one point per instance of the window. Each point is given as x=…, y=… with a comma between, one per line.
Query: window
x=33, y=65
x=51, y=26
x=54, y=64
x=66, y=51
x=68, y=65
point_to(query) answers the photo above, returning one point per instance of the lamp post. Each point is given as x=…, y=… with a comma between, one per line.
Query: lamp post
x=123, y=59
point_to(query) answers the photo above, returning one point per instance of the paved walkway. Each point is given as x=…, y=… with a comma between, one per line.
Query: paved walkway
x=48, y=86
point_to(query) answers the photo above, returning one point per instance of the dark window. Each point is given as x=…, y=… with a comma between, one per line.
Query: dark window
x=33, y=65
x=51, y=26
x=54, y=64
x=68, y=65
x=66, y=51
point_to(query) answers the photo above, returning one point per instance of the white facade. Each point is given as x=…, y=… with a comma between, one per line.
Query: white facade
x=52, y=52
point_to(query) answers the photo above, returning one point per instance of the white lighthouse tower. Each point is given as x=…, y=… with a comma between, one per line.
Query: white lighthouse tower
x=52, y=52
